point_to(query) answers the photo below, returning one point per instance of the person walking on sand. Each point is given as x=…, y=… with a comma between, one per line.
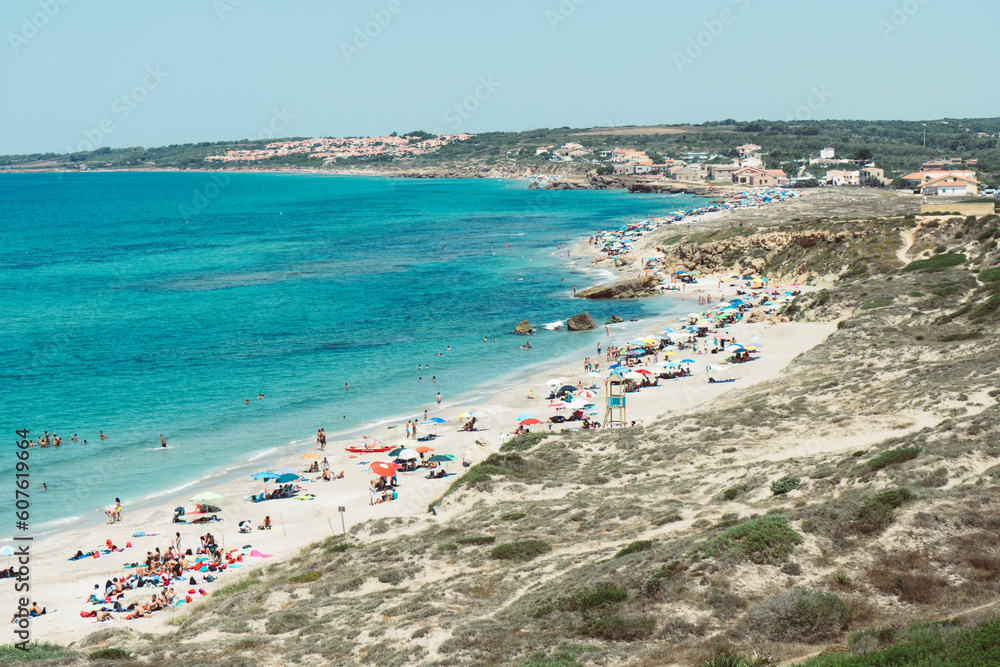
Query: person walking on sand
x=407, y=429
x=118, y=509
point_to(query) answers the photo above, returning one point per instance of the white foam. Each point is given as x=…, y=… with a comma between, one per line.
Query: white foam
x=552, y=326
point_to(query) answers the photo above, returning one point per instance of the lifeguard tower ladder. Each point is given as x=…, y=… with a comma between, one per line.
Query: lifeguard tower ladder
x=614, y=414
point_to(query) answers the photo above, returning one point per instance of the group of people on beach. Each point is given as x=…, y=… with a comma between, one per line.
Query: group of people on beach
x=162, y=570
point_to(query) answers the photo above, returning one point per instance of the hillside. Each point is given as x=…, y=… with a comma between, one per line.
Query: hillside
x=896, y=146
x=832, y=509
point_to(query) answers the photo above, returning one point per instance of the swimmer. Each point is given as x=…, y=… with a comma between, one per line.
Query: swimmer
x=345, y=386
x=103, y=437
x=44, y=487
x=73, y=439
x=163, y=443
x=246, y=402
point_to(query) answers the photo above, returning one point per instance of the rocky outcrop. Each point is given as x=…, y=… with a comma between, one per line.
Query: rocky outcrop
x=581, y=322
x=623, y=289
x=748, y=254
x=623, y=261
x=630, y=183
x=615, y=319
x=523, y=327
x=755, y=315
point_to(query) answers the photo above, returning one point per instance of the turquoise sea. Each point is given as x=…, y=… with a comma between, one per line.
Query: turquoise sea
x=142, y=303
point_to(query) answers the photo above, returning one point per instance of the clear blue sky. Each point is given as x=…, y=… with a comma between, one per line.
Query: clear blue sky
x=229, y=69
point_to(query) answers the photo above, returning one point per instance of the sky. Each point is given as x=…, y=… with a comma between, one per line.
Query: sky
x=76, y=74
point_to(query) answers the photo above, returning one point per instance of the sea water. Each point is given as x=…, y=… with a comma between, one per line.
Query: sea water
x=141, y=304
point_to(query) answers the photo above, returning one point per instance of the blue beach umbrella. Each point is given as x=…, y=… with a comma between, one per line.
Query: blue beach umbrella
x=524, y=416
x=265, y=475
x=287, y=477
x=285, y=470
x=688, y=361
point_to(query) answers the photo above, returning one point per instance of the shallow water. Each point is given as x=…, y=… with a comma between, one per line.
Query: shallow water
x=141, y=304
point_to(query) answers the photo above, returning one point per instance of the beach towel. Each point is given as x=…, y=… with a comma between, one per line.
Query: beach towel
x=308, y=496
x=260, y=555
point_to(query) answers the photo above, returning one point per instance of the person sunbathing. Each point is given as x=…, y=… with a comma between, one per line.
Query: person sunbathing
x=103, y=616
x=327, y=475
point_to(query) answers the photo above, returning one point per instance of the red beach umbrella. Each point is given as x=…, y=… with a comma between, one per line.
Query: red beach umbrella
x=529, y=422
x=383, y=469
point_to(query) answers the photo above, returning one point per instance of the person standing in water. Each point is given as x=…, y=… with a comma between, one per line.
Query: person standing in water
x=163, y=443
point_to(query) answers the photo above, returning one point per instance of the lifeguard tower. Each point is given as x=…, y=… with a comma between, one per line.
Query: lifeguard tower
x=614, y=414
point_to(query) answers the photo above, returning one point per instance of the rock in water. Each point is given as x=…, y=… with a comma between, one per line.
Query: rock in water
x=615, y=319
x=523, y=327
x=581, y=322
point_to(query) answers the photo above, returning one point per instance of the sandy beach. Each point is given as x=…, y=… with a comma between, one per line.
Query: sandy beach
x=63, y=586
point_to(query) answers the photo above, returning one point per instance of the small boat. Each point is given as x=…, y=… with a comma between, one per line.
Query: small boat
x=367, y=450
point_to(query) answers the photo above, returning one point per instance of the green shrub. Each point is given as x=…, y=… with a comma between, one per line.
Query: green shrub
x=305, y=577
x=871, y=304
x=893, y=457
x=965, y=335
x=655, y=583
x=287, y=620
x=937, y=263
x=392, y=577
x=878, y=512
x=725, y=605
x=618, y=629
x=785, y=484
x=635, y=547
x=915, y=294
x=519, y=443
x=110, y=654
x=585, y=601
x=800, y=615
x=512, y=516
x=448, y=546
x=522, y=550
x=235, y=588
x=766, y=540
x=10, y=654
x=990, y=275
x=477, y=539
x=733, y=492
x=736, y=660
x=338, y=548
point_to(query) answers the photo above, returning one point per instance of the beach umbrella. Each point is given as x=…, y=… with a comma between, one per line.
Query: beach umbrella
x=383, y=469
x=312, y=456
x=441, y=458
x=643, y=371
x=396, y=451
x=688, y=361
x=434, y=420
x=554, y=381
x=408, y=455
x=265, y=475
x=524, y=416
x=586, y=393
x=529, y=422
x=205, y=496
x=7, y=551
x=468, y=415
x=733, y=348
x=558, y=405
x=614, y=366
x=593, y=374
x=286, y=470
x=424, y=449
x=287, y=477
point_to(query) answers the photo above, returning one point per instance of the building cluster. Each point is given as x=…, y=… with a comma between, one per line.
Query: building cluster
x=342, y=148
